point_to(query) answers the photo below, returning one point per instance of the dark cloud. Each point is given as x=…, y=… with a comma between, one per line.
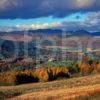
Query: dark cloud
x=26, y=9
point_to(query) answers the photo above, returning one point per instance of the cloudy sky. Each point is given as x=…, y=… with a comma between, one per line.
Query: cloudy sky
x=40, y=14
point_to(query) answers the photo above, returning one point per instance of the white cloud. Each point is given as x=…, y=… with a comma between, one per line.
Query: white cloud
x=91, y=16
x=93, y=20
x=39, y=26
x=31, y=26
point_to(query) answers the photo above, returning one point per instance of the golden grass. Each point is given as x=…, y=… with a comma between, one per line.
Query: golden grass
x=48, y=87
x=60, y=94
x=98, y=68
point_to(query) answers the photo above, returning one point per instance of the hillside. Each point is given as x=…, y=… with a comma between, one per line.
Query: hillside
x=61, y=94
x=52, y=90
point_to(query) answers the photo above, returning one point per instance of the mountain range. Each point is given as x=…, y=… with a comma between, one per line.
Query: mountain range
x=55, y=31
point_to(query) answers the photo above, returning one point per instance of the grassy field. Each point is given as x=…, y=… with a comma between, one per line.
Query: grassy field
x=92, y=96
x=61, y=94
x=72, y=87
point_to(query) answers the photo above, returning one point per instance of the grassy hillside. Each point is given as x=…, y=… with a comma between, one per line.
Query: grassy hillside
x=50, y=90
x=61, y=94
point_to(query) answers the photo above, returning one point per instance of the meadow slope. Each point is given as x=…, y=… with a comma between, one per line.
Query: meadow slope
x=61, y=94
x=54, y=90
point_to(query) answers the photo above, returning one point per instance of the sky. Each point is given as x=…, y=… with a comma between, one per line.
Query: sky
x=57, y=14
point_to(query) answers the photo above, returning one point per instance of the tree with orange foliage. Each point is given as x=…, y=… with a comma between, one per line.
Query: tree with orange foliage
x=85, y=67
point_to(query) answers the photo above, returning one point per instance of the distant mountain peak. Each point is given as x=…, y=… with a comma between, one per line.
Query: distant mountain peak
x=54, y=31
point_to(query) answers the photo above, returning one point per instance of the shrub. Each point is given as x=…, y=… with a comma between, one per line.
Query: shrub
x=19, y=68
x=53, y=72
x=41, y=74
x=98, y=67
x=56, y=72
x=25, y=78
x=93, y=66
x=29, y=76
x=18, y=77
x=74, y=69
x=8, y=77
x=85, y=68
x=63, y=72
